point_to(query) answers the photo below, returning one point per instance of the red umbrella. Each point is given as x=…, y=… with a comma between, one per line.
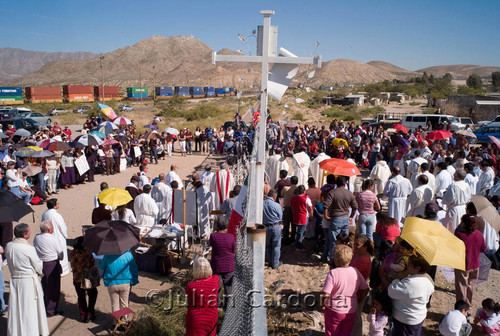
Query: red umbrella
x=58, y=146
x=439, y=135
x=109, y=142
x=400, y=127
x=339, y=167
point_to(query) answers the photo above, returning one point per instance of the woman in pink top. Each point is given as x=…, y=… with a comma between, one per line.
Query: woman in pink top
x=343, y=286
x=387, y=229
x=367, y=205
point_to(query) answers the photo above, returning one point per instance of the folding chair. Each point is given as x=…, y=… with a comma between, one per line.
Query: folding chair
x=117, y=315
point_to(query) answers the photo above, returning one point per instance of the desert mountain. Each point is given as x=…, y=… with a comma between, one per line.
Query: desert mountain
x=461, y=71
x=15, y=63
x=400, y=73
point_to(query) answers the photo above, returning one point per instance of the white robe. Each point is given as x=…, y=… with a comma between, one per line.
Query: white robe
x=26, y=306
x=418, y=199
x=300, y=164
x=397, y=189
x=204, y=206
x=274, y=164
x=414, y=170
x=61, y=233
x=431, y=180
x=226, y=185
x=172, y=176
x=472, y=180
x=316, y=172
x=455, y=197
x=380, y=174
x=486, y=181
x=146, y=210
x=443, y=181
x=162, y=194
x=206, y=178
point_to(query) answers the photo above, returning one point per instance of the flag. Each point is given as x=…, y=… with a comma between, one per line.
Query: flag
x=108, y=111
x=238, y=212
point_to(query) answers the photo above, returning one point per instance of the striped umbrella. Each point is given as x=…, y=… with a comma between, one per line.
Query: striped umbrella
x=88, y=140
x=495, y=140
x=98, y=134
x=466, y=133
x=108, y=124
x=122, y=121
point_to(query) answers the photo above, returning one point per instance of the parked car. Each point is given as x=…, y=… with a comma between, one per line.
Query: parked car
x=38, y=117
x=483, y=132
x=82, y=109
x=7, y=113
x=412, y=121
x=19, y=122
x=467, y=121
x=125, y=108
x=495, y=121
x=57, y=111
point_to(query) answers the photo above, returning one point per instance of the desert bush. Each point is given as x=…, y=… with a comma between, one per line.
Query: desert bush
x=298, y=116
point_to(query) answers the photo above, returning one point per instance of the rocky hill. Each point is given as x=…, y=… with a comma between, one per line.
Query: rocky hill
x=461, y=71
x=15, y=63
x=400, y=73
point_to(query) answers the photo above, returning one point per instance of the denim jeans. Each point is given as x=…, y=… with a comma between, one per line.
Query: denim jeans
x=300, y=235
x=26, y=197
x=2, y=291
x=328, y=245
x=273, y=244
x=213, y=147
x=366, y=225
x=338, y=225
x=42, y=181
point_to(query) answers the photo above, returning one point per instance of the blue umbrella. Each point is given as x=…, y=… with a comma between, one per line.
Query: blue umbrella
x=108, y=124
x=98, y=134
x=151, y=126
x=42, y=153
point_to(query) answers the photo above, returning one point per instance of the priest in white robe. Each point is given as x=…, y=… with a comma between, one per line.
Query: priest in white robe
x=456, y=197
x=486, y=179
x=380, y=174
x=443, y=179
x=419, y=197
x=162, y=194
x=414, y=168
x=316, y=172
x=300, y=164
x=221, y=184
x=26, y=304
x=60, y=230
x=424, y=168
x=207, y=175
x=274, y=164
x=145, y=208
x=173, y=176
x=398, y=188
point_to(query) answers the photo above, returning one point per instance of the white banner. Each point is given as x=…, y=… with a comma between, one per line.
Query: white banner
x=82, y=165
x=137, y=151
x=123, y=164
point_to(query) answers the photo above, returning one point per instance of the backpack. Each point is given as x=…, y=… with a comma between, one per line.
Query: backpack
x=35, y=200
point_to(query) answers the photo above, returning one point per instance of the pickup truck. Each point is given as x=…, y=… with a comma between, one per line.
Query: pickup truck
x=379, y=117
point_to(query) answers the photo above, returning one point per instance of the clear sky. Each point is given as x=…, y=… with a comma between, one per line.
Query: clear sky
x=410, y=34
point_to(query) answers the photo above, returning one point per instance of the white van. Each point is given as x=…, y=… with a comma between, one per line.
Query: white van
x=412, y=121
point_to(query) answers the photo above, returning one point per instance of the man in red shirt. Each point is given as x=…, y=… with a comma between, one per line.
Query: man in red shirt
x=56, y=128
x=67, y=131
x=302, y=209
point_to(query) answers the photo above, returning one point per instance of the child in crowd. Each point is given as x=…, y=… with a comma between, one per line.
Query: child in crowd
x=454, y=322
x=398, y=269
x=379, y=313
x=489, y=317
x=364, y=156
x=377, y=262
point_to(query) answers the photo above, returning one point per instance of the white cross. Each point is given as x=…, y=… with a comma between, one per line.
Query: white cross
x=258, y=165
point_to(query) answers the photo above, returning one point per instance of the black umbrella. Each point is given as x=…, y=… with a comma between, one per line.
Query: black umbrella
x=111, y=238
x=12, y=208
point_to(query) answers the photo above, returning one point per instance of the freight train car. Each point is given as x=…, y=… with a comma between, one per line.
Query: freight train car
x=196, y=91
x=163, y=92
x=11, y=95
x=78, y=93
x=182, y=91
x=110, y=93
x=137, y=92
x=43, y=94
x=209, y=91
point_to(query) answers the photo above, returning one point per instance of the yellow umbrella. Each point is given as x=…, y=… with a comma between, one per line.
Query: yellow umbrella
x=434, y=242
x=339, y=141
x=114, y=197
x=35, y=148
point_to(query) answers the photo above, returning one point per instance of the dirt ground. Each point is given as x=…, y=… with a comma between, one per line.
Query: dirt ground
x=301, y=273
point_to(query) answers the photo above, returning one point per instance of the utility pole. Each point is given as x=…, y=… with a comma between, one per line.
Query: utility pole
x=140, y=82
x=266, y=53
x=101, y=57
x=154, y=86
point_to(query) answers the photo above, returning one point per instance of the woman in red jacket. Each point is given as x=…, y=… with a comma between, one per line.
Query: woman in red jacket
x=302, y=209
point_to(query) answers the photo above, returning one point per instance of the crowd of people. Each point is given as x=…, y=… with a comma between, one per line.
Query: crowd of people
x=341, y=219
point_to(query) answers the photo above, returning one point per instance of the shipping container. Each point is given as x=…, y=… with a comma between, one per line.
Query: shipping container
x=77, y=89
x=219, y=92
x=163, y=92
x=42, y=91
x=181, y=91
x=79, y=97
x=137, y=90
x=39, y=99
x=232, y=92
x=110, y=93
x=209, y=91
x=11, y=91
x=196, y=91
x=136, y=95
x=11, y=100
x=226, y=90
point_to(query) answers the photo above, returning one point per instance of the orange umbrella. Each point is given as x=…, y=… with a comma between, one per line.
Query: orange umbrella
x=439, y=135
x=339, y=167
